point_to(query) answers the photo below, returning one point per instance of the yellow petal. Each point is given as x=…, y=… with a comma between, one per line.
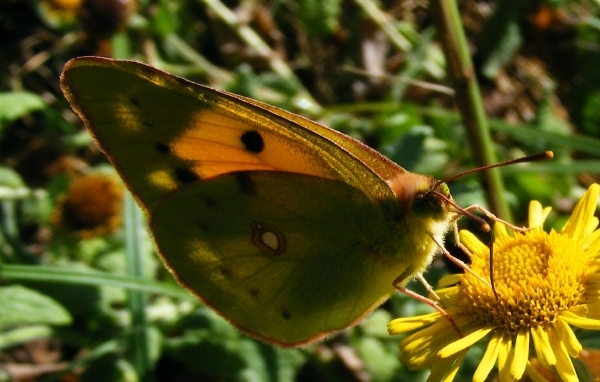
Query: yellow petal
x=592, y=310
x=440, y=369
x=582, y=310
x=591, y=226
x=534, y=374
x=521, y=354
x=594, y=248
x=505, y=357
x=489, y=359
x=567, y=337
x=408, y=324
x=580, y=322
x=445, y=368
x=542, y=346
x=463, y=343
x=500, y=232
x=537, y=214
x=415, y=343
x=564, y=366
x=452, y=372
x=419, y=361
x=584, y=210
x=472, y=242
x=594, y=278
x=449, y=280
x=440, y=332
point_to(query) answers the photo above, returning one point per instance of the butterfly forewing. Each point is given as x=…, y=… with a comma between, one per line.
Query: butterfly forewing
x=159, y=143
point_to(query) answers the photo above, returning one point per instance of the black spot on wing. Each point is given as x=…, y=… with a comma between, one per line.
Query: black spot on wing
x=245, y=184
x=211, y=203
x=225, y=272
x=185, y=175
x=162, y=148
x=134, y=101
x=253, y=141
x=286, y=314
x=254, y=292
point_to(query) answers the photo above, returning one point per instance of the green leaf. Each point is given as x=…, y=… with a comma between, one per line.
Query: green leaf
x=16, y=336
x=380, y=359
x=79, y=277
x=208, y=345
x=109, y=367
x=21, y=306
x=319, y=17
x=507, y=46
x=10, y=179
x=501, y=37
x=14, y=105
x=418, y=150
x=212, y=347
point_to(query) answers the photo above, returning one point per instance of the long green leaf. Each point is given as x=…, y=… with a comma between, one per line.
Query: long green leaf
x=70, y=276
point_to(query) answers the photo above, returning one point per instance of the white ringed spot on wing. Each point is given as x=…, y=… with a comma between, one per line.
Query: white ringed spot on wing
x=268, y=240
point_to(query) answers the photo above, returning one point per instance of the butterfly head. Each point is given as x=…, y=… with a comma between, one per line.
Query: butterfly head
x=423, y=196
x=431, y=202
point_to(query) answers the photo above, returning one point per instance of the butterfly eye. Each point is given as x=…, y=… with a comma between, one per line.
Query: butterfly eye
x=426, y=205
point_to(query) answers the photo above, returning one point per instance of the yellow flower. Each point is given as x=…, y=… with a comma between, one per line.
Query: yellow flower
x=545, y=283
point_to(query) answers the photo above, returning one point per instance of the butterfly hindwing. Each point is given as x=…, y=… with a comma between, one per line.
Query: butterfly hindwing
x=305, y=252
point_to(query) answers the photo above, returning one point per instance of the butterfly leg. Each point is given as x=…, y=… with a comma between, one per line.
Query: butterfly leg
x=457, y=261
x=431, y=303
x=460, y=245
x=428, y=287
x=457, y=241
x=491, y=216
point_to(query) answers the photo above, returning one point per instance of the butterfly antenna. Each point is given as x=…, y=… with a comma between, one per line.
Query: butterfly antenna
x=546, y=155
x=483, y=225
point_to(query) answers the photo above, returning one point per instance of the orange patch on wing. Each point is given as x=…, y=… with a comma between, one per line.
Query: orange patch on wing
x=214, y=147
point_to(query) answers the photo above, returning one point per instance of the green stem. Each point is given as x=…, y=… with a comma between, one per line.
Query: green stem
x=468, y=99
x=137, y=301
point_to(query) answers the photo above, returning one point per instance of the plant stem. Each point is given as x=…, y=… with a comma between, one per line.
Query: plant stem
x=468, y=99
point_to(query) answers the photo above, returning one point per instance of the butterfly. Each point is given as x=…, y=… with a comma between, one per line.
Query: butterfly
x=288, y=229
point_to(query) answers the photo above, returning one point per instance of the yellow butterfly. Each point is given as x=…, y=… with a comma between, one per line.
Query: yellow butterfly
x=288, y=229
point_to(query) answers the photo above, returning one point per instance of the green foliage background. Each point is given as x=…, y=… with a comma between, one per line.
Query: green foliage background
x=104, y=308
